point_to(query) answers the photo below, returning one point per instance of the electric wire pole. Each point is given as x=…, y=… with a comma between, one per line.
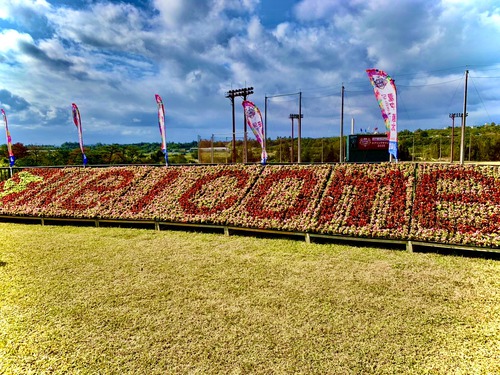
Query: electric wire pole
x=452, y=116
x=462, y=134
x=292, y=117
x=231, y=94
x=299, y=127
x=341, y=151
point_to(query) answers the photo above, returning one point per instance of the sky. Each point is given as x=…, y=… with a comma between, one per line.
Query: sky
x=111, y=58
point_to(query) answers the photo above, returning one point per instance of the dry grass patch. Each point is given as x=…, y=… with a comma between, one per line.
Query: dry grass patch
x=128, y=301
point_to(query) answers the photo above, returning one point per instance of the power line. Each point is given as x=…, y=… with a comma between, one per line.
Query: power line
x=282, y=100
x=453, y=96
x=396, y=77
x=431, y=84
x=279, y=95
x=319, y=97
x=481, y=99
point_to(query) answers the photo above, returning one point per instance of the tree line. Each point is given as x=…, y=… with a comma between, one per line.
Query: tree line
x=482, y=143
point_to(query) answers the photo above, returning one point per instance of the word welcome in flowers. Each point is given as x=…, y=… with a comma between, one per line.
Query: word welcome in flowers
x=448, y=204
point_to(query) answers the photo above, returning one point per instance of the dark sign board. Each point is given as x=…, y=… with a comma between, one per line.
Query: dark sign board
x=362, y=148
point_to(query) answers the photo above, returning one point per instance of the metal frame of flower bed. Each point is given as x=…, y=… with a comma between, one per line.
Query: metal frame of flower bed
x=408, y=245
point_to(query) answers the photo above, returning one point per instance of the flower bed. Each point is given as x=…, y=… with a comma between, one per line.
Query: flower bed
x=73, y=192
x=451, y=204
x=457, y=205
x=24, y=193
x=283, y=198
x=367, y=200
x=189, y=194
x=92, y=193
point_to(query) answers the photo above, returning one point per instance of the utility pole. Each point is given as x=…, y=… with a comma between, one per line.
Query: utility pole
x=452, y=116
x=265, y=122
x=341, y=153
x=292, y=117
x=300, y=127
x=231, y=94
x=233, y=153
x=462, y=134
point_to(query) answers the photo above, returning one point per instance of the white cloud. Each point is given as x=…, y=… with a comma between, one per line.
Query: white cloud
x=17, y=8
x=311, y=10
x=9, y=40
x=281, y=30
x=176, y=13
x=104, y=25
x=308, y=10
x=170, y=11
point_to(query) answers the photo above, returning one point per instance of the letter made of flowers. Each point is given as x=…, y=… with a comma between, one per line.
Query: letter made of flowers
x=144, y=200
x=368, y=200
x=283, y=198
x=210, y=197
x=21, y=195
x=87, y=192
x=457, y=205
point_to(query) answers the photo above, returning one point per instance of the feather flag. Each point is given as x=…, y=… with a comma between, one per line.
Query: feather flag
x=254, y=121
x=385, y=93
x=78, y=123
x=161, y=125
x=12, y=158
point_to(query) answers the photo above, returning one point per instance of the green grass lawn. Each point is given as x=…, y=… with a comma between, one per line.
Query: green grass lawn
x=89, y=300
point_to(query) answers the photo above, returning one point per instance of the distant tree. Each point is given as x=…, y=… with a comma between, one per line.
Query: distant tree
x=75, y=157
x=157, y=157
x=404, y=152
x=423, y=133
x=133, y=155
x=36, y=156
x=331, y=152
x=19, y=150
x=114, y=154
x=59, y=156
x=177, y=159
x=4, y=154
x=70, y=145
